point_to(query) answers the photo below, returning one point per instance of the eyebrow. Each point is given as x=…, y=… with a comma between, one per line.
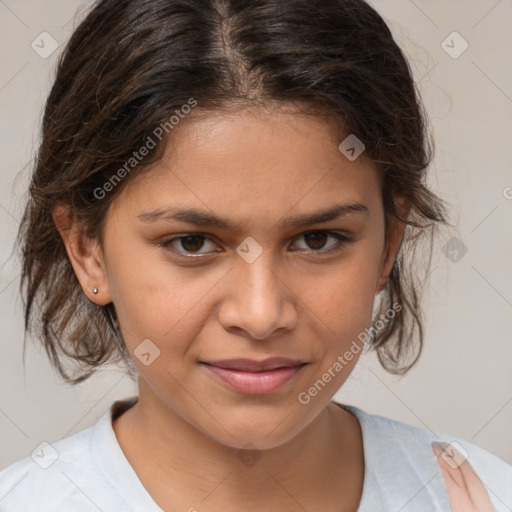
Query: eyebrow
x=205, y=218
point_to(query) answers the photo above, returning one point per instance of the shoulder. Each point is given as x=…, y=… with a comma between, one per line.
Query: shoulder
x=397, y=450
x=404, y=436
x=55, y=474
x=46, y=475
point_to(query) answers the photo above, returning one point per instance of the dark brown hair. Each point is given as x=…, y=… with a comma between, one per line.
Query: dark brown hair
x=132, y=64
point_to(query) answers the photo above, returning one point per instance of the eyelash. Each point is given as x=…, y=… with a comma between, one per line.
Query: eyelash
x=341, y=241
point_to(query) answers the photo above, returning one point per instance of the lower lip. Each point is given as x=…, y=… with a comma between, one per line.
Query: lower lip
x=255, y=383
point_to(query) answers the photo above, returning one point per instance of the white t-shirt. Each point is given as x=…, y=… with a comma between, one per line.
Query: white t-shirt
x=88, y=472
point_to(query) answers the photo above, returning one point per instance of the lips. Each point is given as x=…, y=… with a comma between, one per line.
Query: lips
x=249, y=365
x=254, y=377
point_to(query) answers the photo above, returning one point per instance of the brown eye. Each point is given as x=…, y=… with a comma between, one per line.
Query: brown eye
x=187, y=245
x=316, y=240
x=192, y=243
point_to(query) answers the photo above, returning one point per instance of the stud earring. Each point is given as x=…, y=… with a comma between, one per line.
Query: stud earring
x=95, y=291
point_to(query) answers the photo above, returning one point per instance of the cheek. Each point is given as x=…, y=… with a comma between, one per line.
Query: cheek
x=342, y=303
x=155, y=299
x=342, y=299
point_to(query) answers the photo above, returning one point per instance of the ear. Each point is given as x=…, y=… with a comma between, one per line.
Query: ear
x=85, y=256
x=394, y=236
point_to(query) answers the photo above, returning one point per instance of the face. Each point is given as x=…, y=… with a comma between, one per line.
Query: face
x=234, y=311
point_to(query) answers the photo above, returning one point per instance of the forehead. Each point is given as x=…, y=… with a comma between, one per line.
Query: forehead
x=253, y=161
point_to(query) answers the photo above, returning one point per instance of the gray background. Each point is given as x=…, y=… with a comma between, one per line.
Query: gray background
x=463, y=383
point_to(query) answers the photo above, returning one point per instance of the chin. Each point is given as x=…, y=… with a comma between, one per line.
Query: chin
x=262, y=426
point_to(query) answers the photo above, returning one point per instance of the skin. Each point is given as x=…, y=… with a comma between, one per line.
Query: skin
x=466, y=491
x=254, y=168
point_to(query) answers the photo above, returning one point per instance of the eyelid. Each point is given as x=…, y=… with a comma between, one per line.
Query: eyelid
x=166, y=244
x=341, y=237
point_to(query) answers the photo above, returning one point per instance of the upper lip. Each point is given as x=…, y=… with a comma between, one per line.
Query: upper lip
x=250, y=365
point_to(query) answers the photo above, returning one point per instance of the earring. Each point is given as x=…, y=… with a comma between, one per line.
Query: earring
x=95, y=291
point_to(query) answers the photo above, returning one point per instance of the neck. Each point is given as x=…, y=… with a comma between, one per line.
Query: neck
x=181, y=466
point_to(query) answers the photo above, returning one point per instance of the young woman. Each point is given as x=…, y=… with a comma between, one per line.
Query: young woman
x=222, y=190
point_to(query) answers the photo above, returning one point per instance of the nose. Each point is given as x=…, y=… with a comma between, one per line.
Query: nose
x=259, y=302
